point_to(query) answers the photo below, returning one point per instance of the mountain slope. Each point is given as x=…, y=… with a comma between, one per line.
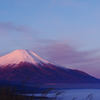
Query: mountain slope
x=21, y=65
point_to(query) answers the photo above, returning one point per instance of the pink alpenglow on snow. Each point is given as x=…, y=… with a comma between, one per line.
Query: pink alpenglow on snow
x=21, y=55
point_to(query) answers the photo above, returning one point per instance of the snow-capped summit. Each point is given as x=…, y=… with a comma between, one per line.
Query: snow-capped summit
x=21, y=55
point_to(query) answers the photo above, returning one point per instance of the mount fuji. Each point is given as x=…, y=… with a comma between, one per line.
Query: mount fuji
x=21, y=65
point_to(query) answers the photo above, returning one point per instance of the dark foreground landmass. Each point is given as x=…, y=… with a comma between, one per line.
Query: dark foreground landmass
x=20, y=92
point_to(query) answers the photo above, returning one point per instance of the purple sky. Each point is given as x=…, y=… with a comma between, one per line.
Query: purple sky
x=65, y=32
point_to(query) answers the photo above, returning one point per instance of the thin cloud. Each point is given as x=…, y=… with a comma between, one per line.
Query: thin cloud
x=62, y=53
x=9, y=26
x=11, y=31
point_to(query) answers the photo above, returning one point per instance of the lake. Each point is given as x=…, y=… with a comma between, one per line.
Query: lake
x=78, y=94
x=79, y=91
x=81, y=94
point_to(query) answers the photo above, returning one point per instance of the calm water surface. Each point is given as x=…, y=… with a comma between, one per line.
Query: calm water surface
x=81, y=94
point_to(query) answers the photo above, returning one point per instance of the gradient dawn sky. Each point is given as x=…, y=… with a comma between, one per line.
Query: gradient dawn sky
x=64, y=32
